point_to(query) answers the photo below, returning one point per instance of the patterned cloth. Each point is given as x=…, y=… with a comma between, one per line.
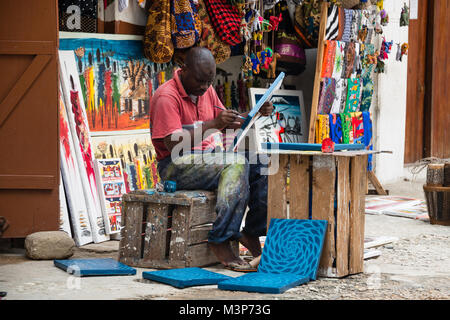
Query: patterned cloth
x=349, y=60
x=209, y=39
x=340, y=96
x=327, y=95
x=185, y=23
x=328, y=59
x=353, y=94
x=357, y=127
x=158, y=45
x=366, y=95
x=348, y=16
x=339, y=60
x=347, y=133
x=332, y=29
x=335, y=128
x=322, y=127
x=225, y=20
x=367, y=123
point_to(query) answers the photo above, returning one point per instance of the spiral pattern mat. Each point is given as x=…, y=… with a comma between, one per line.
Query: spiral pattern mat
x=293, y=246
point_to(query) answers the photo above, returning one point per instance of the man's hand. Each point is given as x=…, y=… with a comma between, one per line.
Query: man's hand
x=226, y=118
x=266, y=109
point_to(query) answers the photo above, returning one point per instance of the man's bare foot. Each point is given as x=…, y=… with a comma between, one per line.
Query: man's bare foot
x=224, y=253
x=251, y=243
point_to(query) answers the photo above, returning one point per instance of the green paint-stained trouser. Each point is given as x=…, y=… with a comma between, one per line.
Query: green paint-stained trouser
x=240, y=180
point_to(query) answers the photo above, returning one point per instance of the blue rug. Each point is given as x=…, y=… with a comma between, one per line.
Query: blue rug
x=263, y=282
x=185, y=277
x=290, y=257
x=94, y=267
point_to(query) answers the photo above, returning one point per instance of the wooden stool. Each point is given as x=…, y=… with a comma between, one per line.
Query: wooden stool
x=167, y=230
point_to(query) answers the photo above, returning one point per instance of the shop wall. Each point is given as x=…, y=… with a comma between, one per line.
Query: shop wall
x=389, y=108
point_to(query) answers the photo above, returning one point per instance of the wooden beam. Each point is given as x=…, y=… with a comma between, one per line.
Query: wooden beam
x=319, y=61
x=376, y=183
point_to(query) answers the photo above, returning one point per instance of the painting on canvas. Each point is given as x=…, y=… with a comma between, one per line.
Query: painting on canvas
x=79, y=128
x=288, y=121
x=111, y=188
x=71, y=179
x=137, y=156
x=116, y=80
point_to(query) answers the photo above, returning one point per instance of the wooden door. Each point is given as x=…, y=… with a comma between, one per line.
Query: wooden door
x=439, y=122
x=29, y=154
x=428, y=107
x=416, y=85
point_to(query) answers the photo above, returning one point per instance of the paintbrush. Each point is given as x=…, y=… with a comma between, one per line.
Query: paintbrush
x=239, y=116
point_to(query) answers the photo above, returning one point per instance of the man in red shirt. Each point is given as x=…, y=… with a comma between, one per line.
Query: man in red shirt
x=186, y=130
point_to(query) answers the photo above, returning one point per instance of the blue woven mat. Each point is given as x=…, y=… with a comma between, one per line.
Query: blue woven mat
x=186, y=277
x=290, y=257
x=94, y=267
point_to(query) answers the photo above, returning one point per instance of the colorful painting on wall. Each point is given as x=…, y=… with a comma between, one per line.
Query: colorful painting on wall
x=72, y=180
x=288, y=121
x=117, y=89
x=111, y=188
x=137, y=157
x=79, y=128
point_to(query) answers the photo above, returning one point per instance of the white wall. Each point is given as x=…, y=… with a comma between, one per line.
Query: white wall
x=389, y=109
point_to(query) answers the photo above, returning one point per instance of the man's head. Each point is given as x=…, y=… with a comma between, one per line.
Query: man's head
x=198, y=72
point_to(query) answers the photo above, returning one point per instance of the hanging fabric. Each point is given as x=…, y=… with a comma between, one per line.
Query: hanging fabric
x=209, y=38
x=158, y=45
x=185, y=23
x=226, y=20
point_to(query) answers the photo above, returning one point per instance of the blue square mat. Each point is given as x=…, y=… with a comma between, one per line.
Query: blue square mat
x=290, y=257
x=94, y=267
x=186, y=277
x=263, y=282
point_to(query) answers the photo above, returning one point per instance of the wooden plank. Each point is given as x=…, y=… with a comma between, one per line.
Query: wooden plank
x=299, y=187
x=131, y=242
x=276, y=193
x=157, y=198
x=203, y=211
x=180, y=232
x=156, y=231
x=27, y=47
x=16, y=181
x=200, y=255
x=323, y=192
x=342, y=215
x=376, y=183
x=199, y=234
x=358, y=178
x=319, y=61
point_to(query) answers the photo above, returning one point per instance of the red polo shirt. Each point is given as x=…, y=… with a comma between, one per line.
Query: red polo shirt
x=171, y=108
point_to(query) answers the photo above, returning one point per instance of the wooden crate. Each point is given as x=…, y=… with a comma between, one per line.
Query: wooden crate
x=325, y=187
x=167, y=230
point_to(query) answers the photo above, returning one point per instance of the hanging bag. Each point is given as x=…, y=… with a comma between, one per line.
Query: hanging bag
x=210, y=39
x=158, y=45
x=185, y=23
x=226, y=20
